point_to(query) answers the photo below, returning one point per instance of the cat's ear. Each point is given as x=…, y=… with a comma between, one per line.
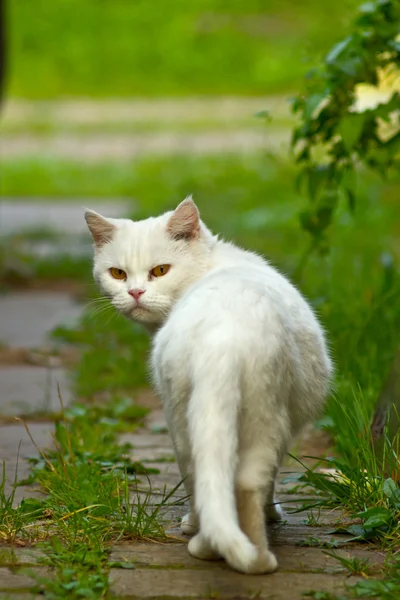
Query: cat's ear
x=184, y=223
x=102, y=229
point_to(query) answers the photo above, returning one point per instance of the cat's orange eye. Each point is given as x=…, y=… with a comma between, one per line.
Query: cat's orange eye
x=117, y=273
x=160, y=270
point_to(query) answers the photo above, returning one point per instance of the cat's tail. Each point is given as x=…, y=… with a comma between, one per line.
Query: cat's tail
x=213, y=428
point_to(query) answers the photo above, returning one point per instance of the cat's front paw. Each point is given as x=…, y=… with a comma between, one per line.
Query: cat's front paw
x=274, y=512
x=265, y=563
x=190, y=524
x=200, y=548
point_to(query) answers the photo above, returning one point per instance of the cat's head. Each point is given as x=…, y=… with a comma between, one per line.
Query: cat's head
x=145, y=266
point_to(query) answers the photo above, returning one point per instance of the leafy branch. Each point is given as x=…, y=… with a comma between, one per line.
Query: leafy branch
x=335, y=135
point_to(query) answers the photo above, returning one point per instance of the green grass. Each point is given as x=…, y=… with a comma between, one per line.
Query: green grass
x=386, y=587
x=355, y=565
x=92, y=499
x=121, y=48
x=19, y=267
x=119, y=364
x=16, y=521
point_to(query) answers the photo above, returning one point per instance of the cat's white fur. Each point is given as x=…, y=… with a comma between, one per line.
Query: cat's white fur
x=238, y=359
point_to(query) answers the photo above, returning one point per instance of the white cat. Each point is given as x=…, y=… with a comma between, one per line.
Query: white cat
x=239, y=361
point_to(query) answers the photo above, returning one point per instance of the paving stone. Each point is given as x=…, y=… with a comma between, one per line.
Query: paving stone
x=19, y=596
x=155, y=421
x=55, y=214
x=160, y=482
x=27, y=318
x=144, y=439
x=287, y=534
x=219, y=582
x=176, y=555
x=26, y=389
x=156, y=455
x=280, y=534
x=14, y=437
x=10, y=580
x=13, y=556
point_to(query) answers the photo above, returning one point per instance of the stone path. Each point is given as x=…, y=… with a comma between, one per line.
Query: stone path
x=165, y=570
x=31, y=363
x=30, y=370
x=128, y=129
x=160, y=570
x=100, y=147
x=167, y=110
x=54, y=215
x=30, y=375
x=27, y=319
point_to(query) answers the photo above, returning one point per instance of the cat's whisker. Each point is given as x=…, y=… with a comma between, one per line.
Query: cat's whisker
x=91, y=307
x=98, y=299
x=96, y=302
x=102, y=310
x=110, y=318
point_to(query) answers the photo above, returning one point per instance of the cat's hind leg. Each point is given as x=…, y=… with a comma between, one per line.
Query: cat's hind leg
x=254, y=479
x=250, y=504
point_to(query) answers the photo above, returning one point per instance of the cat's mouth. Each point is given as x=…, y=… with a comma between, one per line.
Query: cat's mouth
x=139, y=309
x=139, y=306
x=136, y=311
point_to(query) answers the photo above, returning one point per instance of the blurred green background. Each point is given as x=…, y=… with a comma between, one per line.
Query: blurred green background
x=102, y=48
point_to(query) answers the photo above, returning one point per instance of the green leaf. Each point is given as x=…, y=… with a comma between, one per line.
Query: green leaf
x=337, y=50
x=346, y=57
x=350, y=128
x=30, y=505
x=393, y=145
x=390, y=487
x=349, y=184
x=317, y=175
x=70, y=585
x=312, y=103
x=376, y=589
x=376, y=517
x=392, y=491
x=328, y=203
x=297, y=103
x=395, y=45
x=87, y=592
x=308, y=221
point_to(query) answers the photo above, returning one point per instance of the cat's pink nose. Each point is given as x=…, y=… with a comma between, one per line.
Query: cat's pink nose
x=136, y=293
